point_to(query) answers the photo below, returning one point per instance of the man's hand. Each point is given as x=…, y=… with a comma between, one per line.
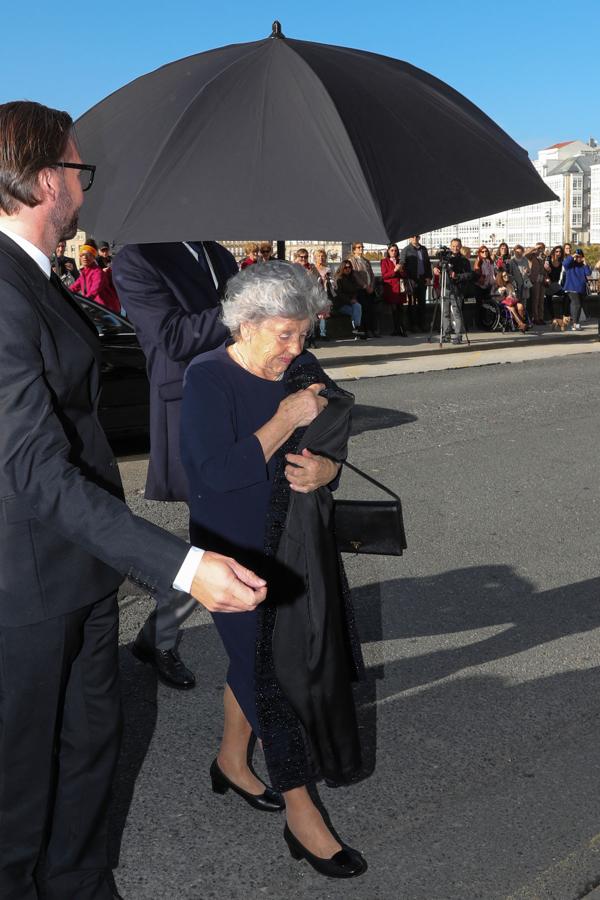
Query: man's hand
x=223, y=585
x=307, y=472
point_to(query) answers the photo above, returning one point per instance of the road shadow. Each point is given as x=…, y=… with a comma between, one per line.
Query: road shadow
x=464, y=600
x=137, y=446
x=376, y=418
x=474, y=763
x=455, y=602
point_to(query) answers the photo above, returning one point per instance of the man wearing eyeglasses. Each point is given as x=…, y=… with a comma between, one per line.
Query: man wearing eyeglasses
x=67, y=539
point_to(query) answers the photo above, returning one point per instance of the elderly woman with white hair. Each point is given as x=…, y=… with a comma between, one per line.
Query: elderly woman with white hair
x=246, y=406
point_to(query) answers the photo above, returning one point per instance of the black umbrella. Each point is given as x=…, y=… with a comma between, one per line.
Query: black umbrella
x=298, y=139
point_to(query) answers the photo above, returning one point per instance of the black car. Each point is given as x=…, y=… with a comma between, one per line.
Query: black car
x=124, y=401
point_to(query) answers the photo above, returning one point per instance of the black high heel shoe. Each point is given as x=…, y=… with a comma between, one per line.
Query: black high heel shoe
x=346, y=863
x=268, y=801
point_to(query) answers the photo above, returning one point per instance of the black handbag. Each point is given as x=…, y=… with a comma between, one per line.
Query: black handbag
x=370, y=526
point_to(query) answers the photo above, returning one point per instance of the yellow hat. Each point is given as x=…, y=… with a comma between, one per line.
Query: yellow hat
x=87, y=248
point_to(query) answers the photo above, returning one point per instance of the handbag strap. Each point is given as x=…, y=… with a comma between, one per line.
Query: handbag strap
x=377, y=484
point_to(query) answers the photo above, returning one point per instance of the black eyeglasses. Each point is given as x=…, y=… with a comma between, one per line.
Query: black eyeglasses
x=86, y=173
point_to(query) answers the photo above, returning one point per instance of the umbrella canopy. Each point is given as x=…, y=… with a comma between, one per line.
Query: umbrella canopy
x=292, y=138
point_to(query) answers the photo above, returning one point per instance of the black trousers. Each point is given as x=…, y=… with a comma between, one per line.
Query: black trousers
x=60, y=725
x=161, y=628
x=575, y=305
x=417, y=309
x=369, y=313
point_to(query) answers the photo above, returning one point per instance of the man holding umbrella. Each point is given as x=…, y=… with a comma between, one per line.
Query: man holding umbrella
x=171, y=293
x=60, y=565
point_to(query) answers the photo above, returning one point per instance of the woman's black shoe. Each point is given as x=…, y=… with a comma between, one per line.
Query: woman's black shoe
x=268, y=801
x=346, y=863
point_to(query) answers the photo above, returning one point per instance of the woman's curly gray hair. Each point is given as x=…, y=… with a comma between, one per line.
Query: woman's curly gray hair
x=268, y=290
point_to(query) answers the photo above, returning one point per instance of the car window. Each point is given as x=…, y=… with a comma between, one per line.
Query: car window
x=106, y=322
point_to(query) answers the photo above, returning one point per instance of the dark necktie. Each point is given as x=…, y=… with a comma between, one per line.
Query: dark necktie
x=205, y=249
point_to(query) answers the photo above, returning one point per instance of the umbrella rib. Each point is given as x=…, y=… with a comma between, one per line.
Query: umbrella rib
x=374, y=200
x=175, y=125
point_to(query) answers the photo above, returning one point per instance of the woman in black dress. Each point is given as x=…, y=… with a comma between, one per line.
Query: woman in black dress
x=245, y=407
x=553, y=268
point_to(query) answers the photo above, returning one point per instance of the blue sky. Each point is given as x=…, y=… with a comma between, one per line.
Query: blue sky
x=533, y=67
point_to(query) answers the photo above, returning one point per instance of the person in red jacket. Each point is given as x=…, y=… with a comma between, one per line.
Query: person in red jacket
x=252, y=250
x=93, y=282
x=394, y=293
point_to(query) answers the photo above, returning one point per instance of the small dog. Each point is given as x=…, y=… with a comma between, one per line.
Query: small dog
x=561, y=323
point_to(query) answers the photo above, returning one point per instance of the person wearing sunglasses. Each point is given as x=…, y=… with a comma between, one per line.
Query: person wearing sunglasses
x=346, y=302
x=94, y=282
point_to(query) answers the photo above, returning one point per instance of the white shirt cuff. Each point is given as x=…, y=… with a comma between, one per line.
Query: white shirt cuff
x=185, y=576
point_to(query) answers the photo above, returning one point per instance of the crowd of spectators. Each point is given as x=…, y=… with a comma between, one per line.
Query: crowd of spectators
x=527, y=283
x=93, y=278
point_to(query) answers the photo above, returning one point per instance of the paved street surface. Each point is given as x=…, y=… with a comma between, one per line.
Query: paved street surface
x=480, y=713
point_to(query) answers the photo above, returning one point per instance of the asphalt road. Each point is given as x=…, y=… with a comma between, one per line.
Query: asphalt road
x=480, y=713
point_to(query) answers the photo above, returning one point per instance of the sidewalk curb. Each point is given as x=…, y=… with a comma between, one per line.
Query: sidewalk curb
x=452, y=350
x=349, y=361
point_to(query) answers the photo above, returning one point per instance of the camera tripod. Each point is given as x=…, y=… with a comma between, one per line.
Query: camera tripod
x=448, y=292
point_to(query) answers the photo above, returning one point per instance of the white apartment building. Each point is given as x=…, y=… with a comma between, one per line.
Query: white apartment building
x=569, y=169
x=595, y=203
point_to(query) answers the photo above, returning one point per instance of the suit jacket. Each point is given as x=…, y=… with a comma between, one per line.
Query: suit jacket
x=537, y=272
x=66, y=536
x=175, y=307
x=409, y=257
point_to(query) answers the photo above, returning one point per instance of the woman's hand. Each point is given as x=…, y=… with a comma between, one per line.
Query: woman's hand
x=303, y=407
x=293, y=412
x=306, y=472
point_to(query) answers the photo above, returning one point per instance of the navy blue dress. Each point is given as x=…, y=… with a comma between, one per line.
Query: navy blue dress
x=230, y=487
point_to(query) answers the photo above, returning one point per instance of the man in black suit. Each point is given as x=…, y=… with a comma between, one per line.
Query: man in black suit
x=417, y=267
x=172, y=293
x=67, y=539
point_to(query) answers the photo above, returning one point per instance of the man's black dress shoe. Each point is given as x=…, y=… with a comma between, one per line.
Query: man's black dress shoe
x=168, y=664
x=346, y=863
x=268, y=801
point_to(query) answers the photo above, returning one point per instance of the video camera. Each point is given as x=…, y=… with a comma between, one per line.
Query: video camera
x=464, y=277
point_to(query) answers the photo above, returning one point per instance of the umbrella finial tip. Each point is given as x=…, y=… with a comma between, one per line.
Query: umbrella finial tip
x=277, y=32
